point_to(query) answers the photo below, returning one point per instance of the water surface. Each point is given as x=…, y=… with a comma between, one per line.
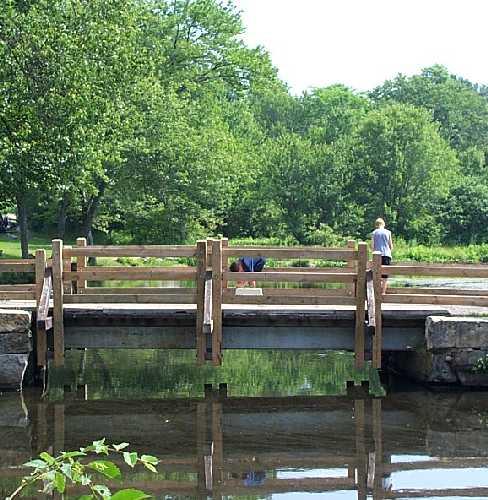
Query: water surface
x=284, y=426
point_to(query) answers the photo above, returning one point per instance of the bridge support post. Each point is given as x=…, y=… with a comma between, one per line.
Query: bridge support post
x=41, y=341
x=81, y=263
x=201, y=343
x=58, y=322
x=352, y=265
x=378, y=331
x=360, y=304
x=217, y=302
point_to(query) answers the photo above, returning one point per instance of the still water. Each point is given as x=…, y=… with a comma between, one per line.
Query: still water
x=267, y=425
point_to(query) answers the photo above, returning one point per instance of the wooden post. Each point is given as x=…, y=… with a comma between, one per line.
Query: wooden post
x=58, y=428
x=40, y=271
x=378, y=331
x=58, y=323
x=225, y=261
x=200, y=300
x=217, y=302
x=352, y=265
x=359, y=420
x=201, y=432
x=67, y=286
x=378, y=450
x=360, y=304
x=81, y=263
x=41, y=341
x=217, y=450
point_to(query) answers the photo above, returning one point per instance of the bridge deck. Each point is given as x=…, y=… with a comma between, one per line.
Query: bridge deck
x=172, y=326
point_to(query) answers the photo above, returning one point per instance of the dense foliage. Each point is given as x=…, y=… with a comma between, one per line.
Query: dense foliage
x=152, y=122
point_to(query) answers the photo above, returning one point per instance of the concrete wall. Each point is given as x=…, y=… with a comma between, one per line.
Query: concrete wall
x=452, y=347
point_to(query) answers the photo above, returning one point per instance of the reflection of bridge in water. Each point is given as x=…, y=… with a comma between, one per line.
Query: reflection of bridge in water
x=221, y=446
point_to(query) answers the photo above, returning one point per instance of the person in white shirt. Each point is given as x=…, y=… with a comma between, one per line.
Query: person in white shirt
x=382, y=242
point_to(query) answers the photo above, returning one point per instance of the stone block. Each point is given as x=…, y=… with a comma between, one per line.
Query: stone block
x=12, y=369
x=15, y=343
x=14, y=321
x=456, y=332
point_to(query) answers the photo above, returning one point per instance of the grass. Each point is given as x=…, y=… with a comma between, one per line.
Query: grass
x=403, y=252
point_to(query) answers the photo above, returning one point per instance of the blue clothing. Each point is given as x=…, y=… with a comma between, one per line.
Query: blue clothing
x=381, y=241
x=253, y=264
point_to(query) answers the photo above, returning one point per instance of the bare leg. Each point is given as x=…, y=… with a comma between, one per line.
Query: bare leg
x=384, y=285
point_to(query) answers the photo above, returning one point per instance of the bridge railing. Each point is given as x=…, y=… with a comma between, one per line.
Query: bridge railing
x=420, y=295
x=351, y=277
x=73, y=275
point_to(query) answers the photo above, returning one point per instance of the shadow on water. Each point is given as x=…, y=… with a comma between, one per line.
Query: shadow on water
x=285, y=429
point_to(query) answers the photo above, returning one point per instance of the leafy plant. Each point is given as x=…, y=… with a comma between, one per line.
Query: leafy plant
x=68, y=468
x=481, y=365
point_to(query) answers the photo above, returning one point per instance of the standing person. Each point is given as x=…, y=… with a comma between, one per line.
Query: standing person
x=247, y=265
x=382, y=242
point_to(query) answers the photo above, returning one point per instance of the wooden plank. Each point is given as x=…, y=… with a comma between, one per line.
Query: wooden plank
x=444, y=300
x=435, y=291
x=81, y=264
x=351, y=266
x=370, y=299
x=137, y=269
x=18, y=295
x=58, y=308
x=150, y=290
x=359, y=343
x=217, y=267
x=325, y=270
x=288, y=300
x=18, y=288
x=225, y=261
x=437, y=270
x=292, y=277
x=105, y=298
x=162, y=274
x=438, y=463
x=298, y=292
x=291, y=253
x=378, y=297
x=200, y=299
x=40, y=271
x=207, y=307
x=18, y=267
x=477, y=493
x=42, y=316
x=67, y=285
x=134, y=251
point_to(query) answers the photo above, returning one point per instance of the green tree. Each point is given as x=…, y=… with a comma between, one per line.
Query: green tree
x=401, y=169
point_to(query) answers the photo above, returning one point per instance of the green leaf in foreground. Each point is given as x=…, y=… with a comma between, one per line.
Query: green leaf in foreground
x=130, y=494
x=105, y=467
x=130, y=458
x=121, y=446
x=59, y=482
x=37, y=464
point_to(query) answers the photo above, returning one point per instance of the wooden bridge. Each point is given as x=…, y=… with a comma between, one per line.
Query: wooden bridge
x=339, y=307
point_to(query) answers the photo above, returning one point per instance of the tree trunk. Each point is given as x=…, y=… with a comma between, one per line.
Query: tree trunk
x=90, y=215
x=23, y=225
x=62, y=215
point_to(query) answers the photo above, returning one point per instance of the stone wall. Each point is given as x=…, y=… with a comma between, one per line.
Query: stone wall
x=15, y=347
x=452, y=347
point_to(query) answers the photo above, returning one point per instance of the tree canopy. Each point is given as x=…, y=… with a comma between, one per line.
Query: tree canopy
x=153, y=122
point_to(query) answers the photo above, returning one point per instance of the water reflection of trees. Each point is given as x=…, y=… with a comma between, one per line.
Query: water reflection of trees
x=155, y=373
